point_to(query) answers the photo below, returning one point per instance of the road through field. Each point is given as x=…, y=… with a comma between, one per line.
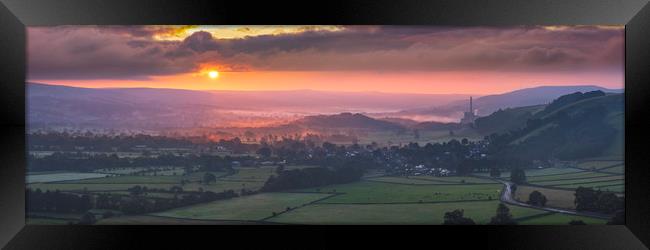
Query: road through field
x=506, y=196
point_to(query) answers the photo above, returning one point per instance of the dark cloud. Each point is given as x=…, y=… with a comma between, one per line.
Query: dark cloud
x=130, y=52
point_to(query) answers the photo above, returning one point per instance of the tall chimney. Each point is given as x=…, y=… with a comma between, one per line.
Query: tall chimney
x=471, y=108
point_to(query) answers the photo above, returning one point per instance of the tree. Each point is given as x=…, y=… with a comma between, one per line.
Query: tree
x=107, y=214
x=577, y=223
x=135, y=190
x=495, y=172
x=518, y=176
x=456, y=218
x=618, y=219
x=609, y=202
x=264, y=152
x=87, y=219
x=536, y=198
x=279, y=169
x=209, y=177
x=503, y=216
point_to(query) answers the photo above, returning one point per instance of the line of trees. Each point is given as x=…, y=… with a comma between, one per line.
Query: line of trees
x=76, y=162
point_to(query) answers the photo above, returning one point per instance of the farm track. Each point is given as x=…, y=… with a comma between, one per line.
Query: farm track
x=506, y=197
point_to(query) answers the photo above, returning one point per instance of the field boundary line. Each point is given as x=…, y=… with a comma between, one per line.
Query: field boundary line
x=534, y=216
x=571, y=179
x=402, y=203
x=432, y=184
x=589, y=182
x=301, y=206
x=225, y=220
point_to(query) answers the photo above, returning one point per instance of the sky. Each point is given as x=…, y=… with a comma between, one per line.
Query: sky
x=393, y=59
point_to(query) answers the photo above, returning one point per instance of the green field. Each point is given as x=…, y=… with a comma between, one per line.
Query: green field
x=572, y=175
x=562, y=181
x=431, y=180
x=131, y=179
x=620, y=169
x=560, y=219
x=253, y=207
x=379, y=192
x=598, y=164
x=157, y=220
x=479, y=211
x=596, y=185
x=48, y=221
x=538, y=172
x=60, y=177
x=555, y=198
x=91, y=187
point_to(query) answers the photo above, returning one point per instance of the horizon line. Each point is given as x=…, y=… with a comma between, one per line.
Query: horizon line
x=323, y=91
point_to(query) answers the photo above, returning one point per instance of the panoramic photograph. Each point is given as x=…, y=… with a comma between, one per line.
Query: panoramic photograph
x=325, y=125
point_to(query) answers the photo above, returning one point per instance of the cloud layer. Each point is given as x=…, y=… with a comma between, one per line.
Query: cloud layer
x=137, y=52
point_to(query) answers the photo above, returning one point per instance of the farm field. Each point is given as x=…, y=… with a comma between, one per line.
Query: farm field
x=555, y=198
x=559, y=219
x=479, y=211
x=47, y=221
x=376, y=199
x=91, y=187
x=603, y=185
x=597, y=165
x=66, y=176
x=572, y=175
x=620, y=169
x=431, y=180
x=570, y=181
x=249, y=178
x=380, y=192
x=157, y=220
x=537, y=172
x=253, y=207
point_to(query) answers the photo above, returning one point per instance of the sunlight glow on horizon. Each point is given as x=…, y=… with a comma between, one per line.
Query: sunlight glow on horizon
x=479, y=83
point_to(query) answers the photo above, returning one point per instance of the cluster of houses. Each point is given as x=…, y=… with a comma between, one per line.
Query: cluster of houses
x=420, y=170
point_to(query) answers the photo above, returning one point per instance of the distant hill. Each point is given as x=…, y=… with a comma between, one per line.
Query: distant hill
x=345, y=120
x=574, y=126
x=505, y=120
x=486, y=105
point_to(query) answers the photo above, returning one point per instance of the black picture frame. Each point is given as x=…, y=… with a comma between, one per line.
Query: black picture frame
x=16, y=14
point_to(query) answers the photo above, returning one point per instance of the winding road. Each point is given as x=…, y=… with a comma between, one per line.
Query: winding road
x=506, y=196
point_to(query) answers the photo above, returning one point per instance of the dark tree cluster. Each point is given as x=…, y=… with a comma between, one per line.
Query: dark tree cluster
x=503, y=216
x=313, y=177
x=518, y=176
x=588, y=199
x=456, y=218
x=536, y=198
x=56, y=201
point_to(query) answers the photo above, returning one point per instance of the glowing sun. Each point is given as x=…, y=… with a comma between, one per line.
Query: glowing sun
x=213, y=74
